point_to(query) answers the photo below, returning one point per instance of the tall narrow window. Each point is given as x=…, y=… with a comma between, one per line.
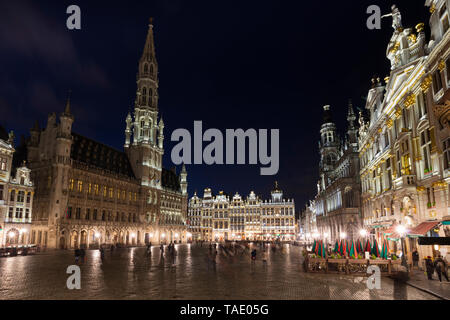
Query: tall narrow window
x=144, y=96
x=443, y=15
x=437, y=81
x=426, y=151
x=150, y=97
x=20, y=196
x=447, y=154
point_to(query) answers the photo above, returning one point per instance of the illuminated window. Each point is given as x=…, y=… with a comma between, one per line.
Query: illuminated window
x=111, y=191
x=90, y=188
x=104, y=191
x=20, y=196
x=135, y=196
x=71, y=183
x=80, y=186
x=124, y=194
x=3, y=164
x=118, y=194
x=96, y=189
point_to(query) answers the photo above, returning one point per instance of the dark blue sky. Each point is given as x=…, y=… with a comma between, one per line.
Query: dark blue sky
x=231, y=64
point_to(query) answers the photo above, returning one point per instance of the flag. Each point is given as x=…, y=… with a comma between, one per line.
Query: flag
x=375, y=249
x=359, y=246
x=314, y=246
x=336, y=247
x=353, y=252
x=367, y=247
x=317, y=247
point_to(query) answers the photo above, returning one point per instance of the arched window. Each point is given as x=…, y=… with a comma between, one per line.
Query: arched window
x=151, y=71
x=145, y=68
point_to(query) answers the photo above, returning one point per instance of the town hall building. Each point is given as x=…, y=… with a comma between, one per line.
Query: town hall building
x=88, y=193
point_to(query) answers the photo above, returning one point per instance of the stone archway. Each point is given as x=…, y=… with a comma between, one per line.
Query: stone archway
x=12, y=237
x=74, y=240
x=62, y=242
x=83, y=239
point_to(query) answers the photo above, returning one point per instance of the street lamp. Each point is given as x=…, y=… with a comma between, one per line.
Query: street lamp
x=363, y=233
x=343, y=235
x=401, y=230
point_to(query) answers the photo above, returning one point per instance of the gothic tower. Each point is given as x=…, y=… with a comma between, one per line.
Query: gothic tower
x=143, y=134
x=183, y=180
x=328, y=146
x=352, y=130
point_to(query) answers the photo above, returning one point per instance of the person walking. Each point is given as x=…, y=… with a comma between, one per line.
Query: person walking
x=253, y=254
x=161, y=248
x=415, y=258
x=102, y=252
x=264, y=258
x=77, y=255
x=82, y=255
x=441, y=268
x=429, y=267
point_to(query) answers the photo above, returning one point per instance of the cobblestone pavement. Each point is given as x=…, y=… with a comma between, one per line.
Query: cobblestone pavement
x=420, y=280
x=130, y=274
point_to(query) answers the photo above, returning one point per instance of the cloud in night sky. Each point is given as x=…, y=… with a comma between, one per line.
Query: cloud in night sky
x=30, y=37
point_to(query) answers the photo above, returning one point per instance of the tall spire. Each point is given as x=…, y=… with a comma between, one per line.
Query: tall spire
x=67, y=109
x=147, y=77
x=149, y=49
x=351, y=115
x=352, y=131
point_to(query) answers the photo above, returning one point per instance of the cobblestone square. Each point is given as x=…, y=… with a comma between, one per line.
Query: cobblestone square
x=130, y=274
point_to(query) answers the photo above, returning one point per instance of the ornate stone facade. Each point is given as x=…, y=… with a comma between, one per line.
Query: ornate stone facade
x=223, y=218
x=16, y=197
x=337, y=203
x=404, y=145
x=90, y=194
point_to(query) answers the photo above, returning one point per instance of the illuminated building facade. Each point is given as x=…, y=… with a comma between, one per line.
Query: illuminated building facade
x=90, y=194
x=337, y=203
x=404, y=147
x=220, y=218
x=16, y=196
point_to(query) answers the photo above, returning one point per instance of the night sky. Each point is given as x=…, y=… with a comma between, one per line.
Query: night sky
x=231, y=64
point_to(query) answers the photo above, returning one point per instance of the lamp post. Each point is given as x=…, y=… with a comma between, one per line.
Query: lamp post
x=401, y=230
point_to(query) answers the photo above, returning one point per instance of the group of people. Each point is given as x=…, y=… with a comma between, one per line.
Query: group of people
x=439, y=265
x=80, y=255
x=229, y=249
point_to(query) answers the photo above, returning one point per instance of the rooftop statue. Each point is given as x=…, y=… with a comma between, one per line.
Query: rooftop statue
x=396, y=17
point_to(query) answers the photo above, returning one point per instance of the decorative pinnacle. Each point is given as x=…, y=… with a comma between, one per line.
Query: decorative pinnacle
x=150, y=21
x=67, y=110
